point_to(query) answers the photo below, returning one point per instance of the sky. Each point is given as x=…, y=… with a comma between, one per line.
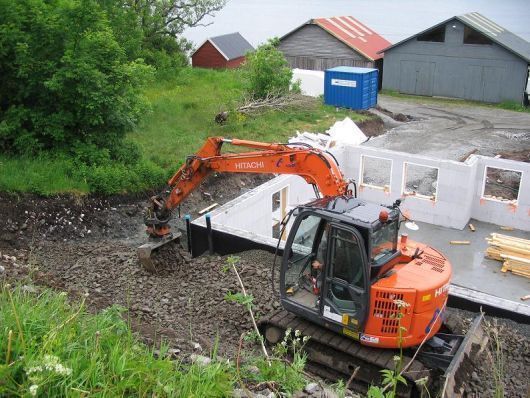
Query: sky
x=258, y=20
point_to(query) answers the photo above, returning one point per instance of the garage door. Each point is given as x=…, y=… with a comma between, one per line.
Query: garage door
x=416, y=77
x=483, y=83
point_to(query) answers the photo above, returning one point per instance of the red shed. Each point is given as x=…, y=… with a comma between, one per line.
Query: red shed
x=226, y=51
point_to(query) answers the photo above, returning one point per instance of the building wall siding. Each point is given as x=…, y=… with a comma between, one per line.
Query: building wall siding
x=236, y=62
x=486, y=73
x=311, y=47
x=207, y=56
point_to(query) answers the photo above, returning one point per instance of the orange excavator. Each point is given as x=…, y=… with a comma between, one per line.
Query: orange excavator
x=347, y=279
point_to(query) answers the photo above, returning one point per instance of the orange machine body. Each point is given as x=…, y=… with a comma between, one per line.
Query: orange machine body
x=418, y=290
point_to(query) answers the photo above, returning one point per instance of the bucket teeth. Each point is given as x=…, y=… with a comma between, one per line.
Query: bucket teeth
x=146, y=250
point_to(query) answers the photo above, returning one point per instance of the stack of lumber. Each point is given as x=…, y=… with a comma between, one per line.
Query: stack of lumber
x=513, y=252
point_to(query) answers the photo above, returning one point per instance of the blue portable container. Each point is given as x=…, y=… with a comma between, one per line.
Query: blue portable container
x=349, y=87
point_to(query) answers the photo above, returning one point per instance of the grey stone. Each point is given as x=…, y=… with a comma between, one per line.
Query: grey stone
x=240, y=393
x=311, y=388
x=2, y=269
x=200, y=359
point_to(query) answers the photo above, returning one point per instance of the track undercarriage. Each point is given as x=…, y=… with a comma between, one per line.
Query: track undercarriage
x=334, y=356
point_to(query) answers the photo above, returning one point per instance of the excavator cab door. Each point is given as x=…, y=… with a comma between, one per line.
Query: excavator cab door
x=301, y=282
x=336, y=292
x=345, y=287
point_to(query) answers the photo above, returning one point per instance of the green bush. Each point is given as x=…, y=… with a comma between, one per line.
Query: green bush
x=65, y=77
x=114, y=177
x=267, y=71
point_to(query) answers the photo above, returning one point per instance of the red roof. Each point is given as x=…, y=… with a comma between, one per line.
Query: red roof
x=355, y=34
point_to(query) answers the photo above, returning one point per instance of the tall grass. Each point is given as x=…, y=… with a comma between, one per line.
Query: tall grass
x=51, y=348
x=42, y=175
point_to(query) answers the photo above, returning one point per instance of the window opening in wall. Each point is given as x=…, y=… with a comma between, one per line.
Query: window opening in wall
x=420, y=181
x=279, y=211
x=501, y=184
x=436, y=35
x=471, y=36
x=376, y=172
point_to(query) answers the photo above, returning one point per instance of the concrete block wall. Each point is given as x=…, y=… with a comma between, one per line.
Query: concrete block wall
x=451, y=191
x=498, y=212
x=459, y=192
x=253, y=210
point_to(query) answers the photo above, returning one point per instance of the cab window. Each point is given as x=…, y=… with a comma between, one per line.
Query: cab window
x=346, y=258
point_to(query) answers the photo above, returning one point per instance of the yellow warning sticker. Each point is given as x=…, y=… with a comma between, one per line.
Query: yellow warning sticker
x=350, y=333
x=345, y=319
x=427, y=297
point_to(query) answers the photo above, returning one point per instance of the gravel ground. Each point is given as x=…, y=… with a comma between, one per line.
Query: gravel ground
x=185, y=302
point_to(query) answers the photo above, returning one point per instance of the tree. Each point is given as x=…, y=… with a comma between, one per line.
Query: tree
x=163, y=21
x=65, y=78
x=172, y=17
x=267, y=71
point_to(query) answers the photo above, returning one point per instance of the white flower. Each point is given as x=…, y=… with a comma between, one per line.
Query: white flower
x=397, y=358
x=401, y=303
x=284, y=343
x=297, y=333
x=62, y=370
x=33, y=390
x=305, y=339
x=287, y=332
x=34, y=369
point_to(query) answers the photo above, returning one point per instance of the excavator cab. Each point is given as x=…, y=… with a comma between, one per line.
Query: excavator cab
x=328, y=258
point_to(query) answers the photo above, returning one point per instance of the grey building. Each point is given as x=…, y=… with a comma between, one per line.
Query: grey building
x=324, y=43
x=467, y=56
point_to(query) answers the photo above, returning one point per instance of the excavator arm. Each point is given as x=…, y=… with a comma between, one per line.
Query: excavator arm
x=317, y=167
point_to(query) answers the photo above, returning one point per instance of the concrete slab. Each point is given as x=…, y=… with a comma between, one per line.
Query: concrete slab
x=471, y=270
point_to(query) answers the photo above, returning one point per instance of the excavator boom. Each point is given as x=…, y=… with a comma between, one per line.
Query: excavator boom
x=317, y=167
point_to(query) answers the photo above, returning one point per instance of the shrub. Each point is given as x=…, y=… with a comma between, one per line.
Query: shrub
x=65, y=77
x=267, y=71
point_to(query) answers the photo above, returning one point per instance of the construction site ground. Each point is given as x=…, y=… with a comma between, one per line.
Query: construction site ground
x=447, y=130
x=87, y=246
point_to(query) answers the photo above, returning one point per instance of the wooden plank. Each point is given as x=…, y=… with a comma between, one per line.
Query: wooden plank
x=503, y=236
x=521, y=260
x=207, y=209
x=460, y=242
x=507, y=228
x=472, y=227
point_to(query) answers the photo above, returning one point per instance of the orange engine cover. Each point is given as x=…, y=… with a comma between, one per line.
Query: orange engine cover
x=418, y=290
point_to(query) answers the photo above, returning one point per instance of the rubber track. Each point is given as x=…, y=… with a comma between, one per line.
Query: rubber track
x=378, y=358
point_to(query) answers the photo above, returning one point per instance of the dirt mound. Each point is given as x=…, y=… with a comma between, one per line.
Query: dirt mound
x=186, y=301
x=30, y=218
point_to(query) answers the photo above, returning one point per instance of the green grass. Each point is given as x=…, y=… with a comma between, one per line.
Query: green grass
x=184, y=109
x=182, y=116
x=508, y=105
x=45, y=176
x=63, y=351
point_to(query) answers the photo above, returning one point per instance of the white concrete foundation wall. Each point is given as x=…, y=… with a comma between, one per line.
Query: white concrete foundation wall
x=459, y=192
x=497, y=212
x=459, y=188
x=253, y=210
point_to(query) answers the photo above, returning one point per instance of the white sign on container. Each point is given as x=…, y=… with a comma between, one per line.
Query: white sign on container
x=344, y=83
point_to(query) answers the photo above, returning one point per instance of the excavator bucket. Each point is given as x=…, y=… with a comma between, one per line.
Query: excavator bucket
x=145, y=251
